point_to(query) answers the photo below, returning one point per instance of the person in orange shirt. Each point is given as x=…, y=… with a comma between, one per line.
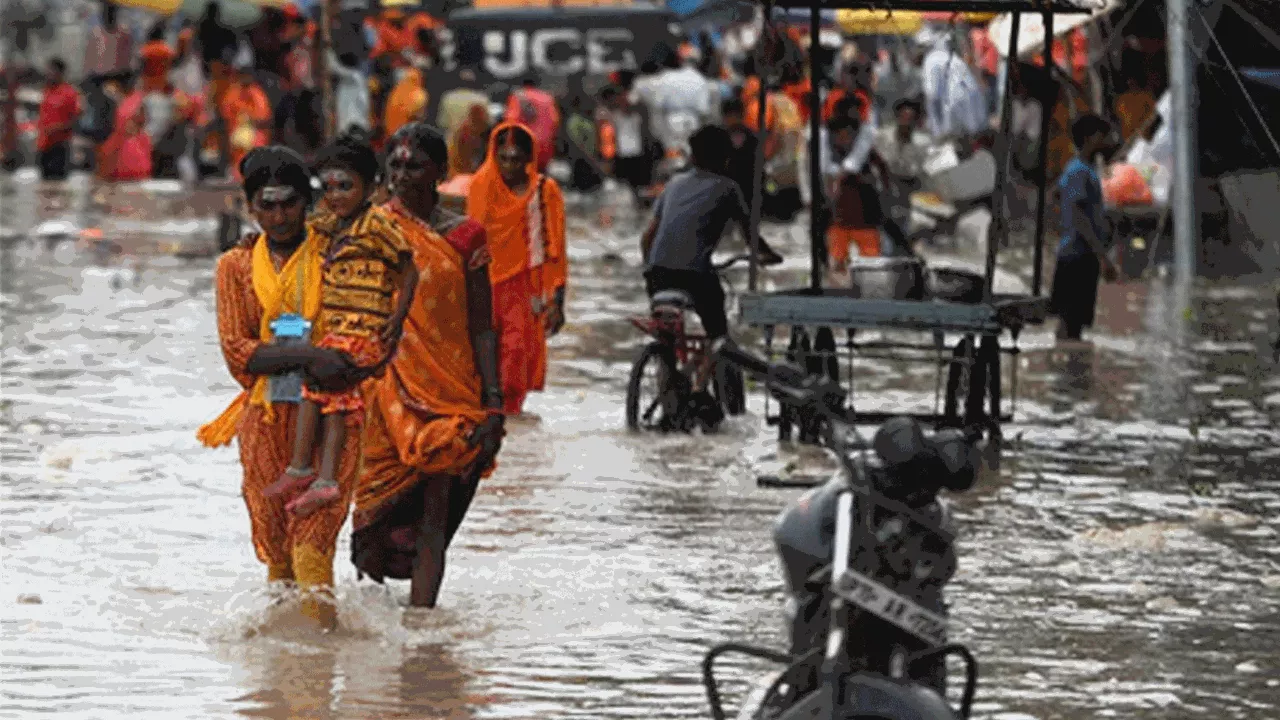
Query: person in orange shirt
x=522, y=212
x=246, y=116
x=398, y=34
x=406, y=102
x=157, y=58
x=853, y=84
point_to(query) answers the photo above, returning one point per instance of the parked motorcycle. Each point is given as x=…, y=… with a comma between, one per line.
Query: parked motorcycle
x=865, y=558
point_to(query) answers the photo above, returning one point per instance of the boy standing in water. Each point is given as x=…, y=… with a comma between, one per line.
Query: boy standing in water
x=367, y=266
x=1082, y=254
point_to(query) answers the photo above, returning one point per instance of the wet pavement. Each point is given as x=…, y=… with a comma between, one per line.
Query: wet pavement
x=1122, y=563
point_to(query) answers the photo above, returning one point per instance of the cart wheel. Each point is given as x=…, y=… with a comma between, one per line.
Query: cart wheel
x=974, y=385
x=797, y=352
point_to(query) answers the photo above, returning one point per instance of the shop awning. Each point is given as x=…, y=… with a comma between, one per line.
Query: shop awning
x=901, y=22
x=1031, y=32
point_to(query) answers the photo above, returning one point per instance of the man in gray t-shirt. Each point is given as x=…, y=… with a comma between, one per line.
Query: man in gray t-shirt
x=689, y=219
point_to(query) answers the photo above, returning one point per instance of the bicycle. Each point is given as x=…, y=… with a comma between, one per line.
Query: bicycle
x=680, y=401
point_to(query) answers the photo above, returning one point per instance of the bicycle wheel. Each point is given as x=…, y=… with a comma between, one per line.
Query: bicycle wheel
x=654, y=394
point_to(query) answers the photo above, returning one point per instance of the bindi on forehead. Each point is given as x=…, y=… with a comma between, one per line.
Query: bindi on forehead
x=402, y=152
x=336, y=175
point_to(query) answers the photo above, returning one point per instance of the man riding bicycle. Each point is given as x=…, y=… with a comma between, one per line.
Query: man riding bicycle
x=689, y=219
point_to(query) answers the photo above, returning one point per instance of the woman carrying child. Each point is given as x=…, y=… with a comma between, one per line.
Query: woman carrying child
x=368, y=282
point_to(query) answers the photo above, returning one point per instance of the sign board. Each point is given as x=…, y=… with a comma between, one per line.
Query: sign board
x=559, y=46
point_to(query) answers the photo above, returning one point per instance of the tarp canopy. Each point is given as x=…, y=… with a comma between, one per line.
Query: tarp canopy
x=1264, y=76
x=1031, y=27
x=236, y=14
x=901, y=22
x=879, y=22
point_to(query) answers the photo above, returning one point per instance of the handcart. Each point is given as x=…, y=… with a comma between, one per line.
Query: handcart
x=899, y=308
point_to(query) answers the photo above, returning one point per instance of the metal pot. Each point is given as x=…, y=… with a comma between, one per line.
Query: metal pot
x=887, y=278
x=960, y=286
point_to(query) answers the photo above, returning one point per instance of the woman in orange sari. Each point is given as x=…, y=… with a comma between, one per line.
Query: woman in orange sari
x=522, y=212
x=246, y=116
x=435, y=422
x=266, y=287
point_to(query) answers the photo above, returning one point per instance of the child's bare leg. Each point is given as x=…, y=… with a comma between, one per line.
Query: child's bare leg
x=299, y=474
x=335, y=437
x=325, y=488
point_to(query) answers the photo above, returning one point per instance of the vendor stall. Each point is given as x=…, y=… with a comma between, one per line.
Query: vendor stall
x=890, y=298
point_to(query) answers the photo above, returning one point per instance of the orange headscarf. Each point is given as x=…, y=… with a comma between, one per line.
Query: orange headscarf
x=502, y=212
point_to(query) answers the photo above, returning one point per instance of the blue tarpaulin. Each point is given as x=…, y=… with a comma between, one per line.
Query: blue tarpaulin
x=1266, y=76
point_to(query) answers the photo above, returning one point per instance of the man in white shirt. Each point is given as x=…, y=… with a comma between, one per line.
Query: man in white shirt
x=954, y=105
x=903, y=146
x=679, y=90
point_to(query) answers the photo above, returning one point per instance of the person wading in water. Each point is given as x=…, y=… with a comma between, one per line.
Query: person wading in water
x=435, y=420
x=522, y=212
x=369, y=281
x=268, y=291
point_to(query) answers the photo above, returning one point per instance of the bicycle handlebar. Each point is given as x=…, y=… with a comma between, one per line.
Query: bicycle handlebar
x=741, y=257
x=722, y=266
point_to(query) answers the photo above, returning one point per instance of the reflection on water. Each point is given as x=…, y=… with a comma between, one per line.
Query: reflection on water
x=1123, y=563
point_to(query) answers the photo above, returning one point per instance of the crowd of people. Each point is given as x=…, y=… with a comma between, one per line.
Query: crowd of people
x=195, y=95
x=385, y=332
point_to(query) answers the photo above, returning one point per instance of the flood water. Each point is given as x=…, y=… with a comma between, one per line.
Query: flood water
x=1122, y=563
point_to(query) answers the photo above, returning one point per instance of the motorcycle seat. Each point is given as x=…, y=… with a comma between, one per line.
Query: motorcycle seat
x=678, y=299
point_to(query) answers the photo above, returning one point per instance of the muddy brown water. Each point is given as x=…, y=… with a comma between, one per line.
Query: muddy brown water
x=1122, y=563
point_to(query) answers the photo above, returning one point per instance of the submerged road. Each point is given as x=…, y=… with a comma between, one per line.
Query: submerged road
x=1122, y=563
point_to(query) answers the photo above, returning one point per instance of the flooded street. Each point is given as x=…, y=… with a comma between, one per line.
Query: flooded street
x=1124, y=562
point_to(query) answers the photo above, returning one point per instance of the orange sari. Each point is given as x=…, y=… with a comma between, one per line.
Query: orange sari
x=405, y=103
x=422, y=411
x=292, y=548
x=527, y=239
x=243, y=108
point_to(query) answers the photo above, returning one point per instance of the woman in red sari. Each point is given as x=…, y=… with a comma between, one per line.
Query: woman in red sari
x=522, y=212
x=434, y=422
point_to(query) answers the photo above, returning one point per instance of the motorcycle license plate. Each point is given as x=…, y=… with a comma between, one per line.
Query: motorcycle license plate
x=892, y=607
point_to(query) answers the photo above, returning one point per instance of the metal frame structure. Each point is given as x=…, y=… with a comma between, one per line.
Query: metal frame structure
x=988, y=320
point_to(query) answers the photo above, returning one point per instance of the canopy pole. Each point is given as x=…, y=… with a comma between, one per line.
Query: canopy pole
x=1182, y=124
x=328, y=99
x=998, y=232
x=818, y=191
x=757, y=172
x=1048, y=101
